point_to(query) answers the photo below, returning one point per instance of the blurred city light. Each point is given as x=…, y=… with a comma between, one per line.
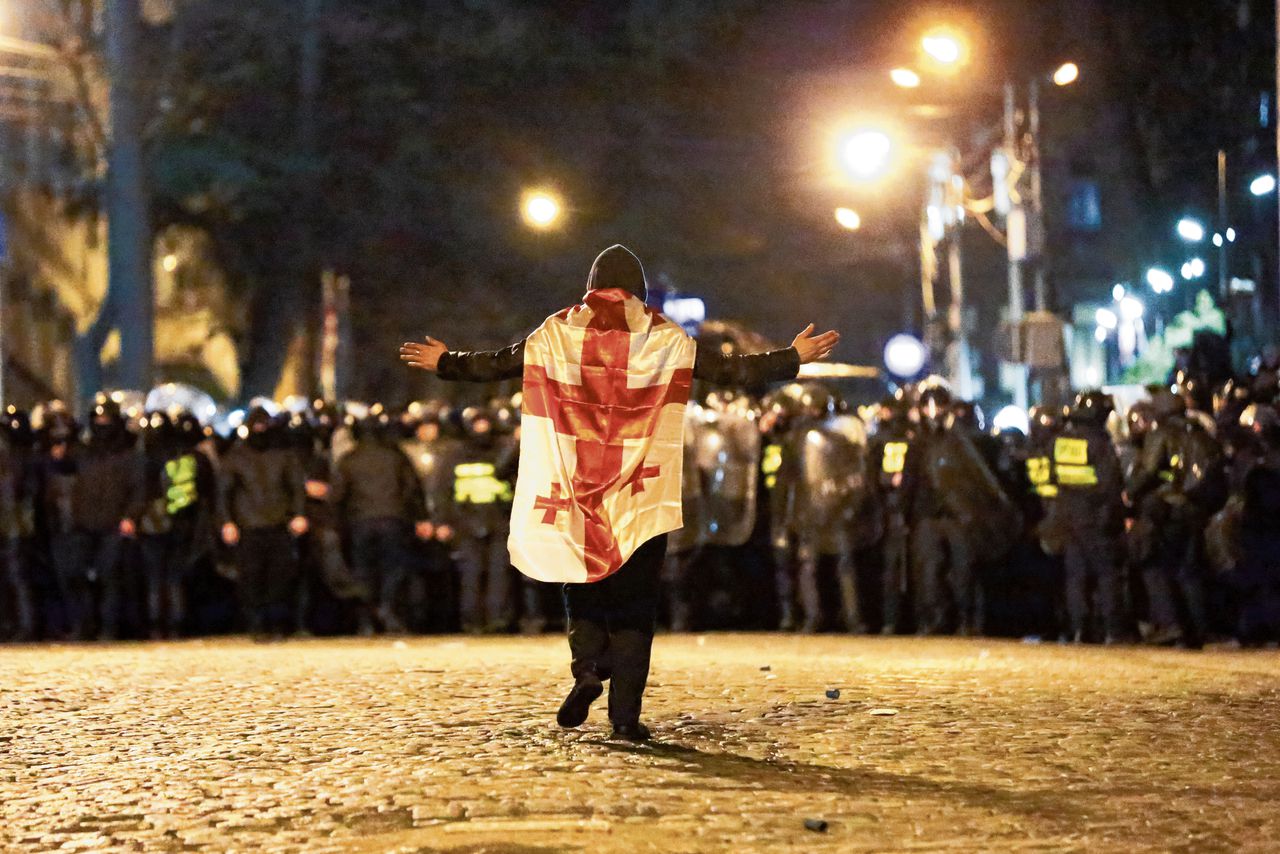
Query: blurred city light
x=1106, y=318
x=1066, y=74
x=1131, y=309
x=170, y=263
x=1117, y=293
x=1231, y=235
x=1099, y=334
x=904, y=355
x=1263, y=185
x=540, y=209
x=904, y=77
x=1159, y=280
x=1190, y=230
x=945, y=46
x=1012, y=418
x=865, y=153
x=1193, y=269
x=848, y=218
x=1217, y=240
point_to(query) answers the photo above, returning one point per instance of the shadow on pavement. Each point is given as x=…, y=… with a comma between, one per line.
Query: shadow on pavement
x=1053, y=808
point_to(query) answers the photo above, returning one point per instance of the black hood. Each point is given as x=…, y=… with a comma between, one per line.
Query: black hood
x=617, y=267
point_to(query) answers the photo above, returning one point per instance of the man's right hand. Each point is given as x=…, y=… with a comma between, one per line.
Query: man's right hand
x=814, y=347
x=424, y=357
x=230, y=534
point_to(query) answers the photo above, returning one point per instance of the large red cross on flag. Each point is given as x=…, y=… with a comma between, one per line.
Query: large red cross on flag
x=602, y=432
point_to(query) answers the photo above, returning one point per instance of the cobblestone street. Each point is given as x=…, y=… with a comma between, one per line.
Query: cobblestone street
x=433, y=744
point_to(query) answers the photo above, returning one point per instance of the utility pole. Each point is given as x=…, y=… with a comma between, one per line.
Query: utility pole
x=1016, y=231
x=128, y=228
x=961, y=369
x=1223, y=225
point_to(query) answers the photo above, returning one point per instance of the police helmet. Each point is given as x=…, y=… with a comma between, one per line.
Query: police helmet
x=934, y=400
x=1091, y=407
x=477, y=421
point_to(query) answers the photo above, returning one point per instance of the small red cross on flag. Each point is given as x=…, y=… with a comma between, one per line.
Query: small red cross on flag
x=602, y=432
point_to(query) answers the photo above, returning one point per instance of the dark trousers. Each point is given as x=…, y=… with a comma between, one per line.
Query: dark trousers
x=611, y=625
x=1091, y=561
x=895, y=573
x=17, y=605
x=167, y=559
x=1175, y=576
x=944, y=563
x=79, y=559
x=379, y=549
x=484, y=572
x=268, y=577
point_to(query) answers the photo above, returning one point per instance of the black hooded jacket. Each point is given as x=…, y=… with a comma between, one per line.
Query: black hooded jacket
x=617, y=267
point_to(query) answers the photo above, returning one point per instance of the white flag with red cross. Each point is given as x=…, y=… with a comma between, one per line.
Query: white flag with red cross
x=602, y=435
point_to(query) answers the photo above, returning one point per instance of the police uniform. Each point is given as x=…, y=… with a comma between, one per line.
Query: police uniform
x=480, y=512
x=895, y=479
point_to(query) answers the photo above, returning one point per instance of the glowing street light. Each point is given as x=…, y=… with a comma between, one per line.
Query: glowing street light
x=1106, y=318
x=170, y=262
x=905, y=78
x=1159, y=280
x=540, y=209
x=1263, y=185
x=904, y=355
x=1190, y=230
x=1193, y=269
x=848, y=218
x=1132, y=309
x=865, y=153
x=945, y=46
x=1066, y=74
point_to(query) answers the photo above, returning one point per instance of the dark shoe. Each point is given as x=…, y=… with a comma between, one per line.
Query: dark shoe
x=636, y=732
x=574, y=709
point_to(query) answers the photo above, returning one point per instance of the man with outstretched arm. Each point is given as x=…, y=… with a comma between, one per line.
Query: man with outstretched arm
x=605, y=385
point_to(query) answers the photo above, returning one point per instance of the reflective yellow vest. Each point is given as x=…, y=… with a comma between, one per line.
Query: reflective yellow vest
x=1071, y=458
x=476, y=483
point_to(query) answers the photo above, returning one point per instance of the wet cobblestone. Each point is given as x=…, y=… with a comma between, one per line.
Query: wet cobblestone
x=450, y=745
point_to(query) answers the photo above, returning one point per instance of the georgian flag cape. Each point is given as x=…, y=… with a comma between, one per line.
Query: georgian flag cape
x=602, y=434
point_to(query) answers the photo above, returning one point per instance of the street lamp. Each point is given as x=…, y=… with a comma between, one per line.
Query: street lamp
x=1263, y=185
x=1193, y=269
x=848, y=219
x=1066, y=74
x=946, y=47
x=541, y=209
x=865, y=153
x=905, y=78
x=1190, y=230
x=1159, y=280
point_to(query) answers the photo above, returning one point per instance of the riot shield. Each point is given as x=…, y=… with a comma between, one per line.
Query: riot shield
x=726, y=451
x=824, y=482
x=689, y=536
x=970, y=492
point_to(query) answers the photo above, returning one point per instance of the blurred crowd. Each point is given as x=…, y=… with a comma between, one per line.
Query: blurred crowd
x=1157, y=522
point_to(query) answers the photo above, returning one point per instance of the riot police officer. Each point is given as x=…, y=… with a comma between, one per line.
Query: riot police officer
x=1089, y=515
x=1178, y=482
x=378, y=497
x=479, y=514
x=175, y=515
x=17, y=527
x=895, y=465
x=262, y=501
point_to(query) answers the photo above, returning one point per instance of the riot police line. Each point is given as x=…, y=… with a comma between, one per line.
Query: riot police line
x=1160, y=523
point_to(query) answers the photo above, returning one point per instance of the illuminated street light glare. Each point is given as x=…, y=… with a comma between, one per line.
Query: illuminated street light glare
x=1117, y=293
x=944, y=46
x=865, y=153
x=1217, y=240
x=1012, y=418
x=1159, y=280
x=1066, y=74
x=1099, y=334
x=1106, y=318
x=170, y=263
x=1263, y=185
x=848, y=218
x=1231, y=235
x=905, y=78
x=1131, y=309
x=1190, y=230
x=1193, y=269
x=540, y=209
x=904, y=355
